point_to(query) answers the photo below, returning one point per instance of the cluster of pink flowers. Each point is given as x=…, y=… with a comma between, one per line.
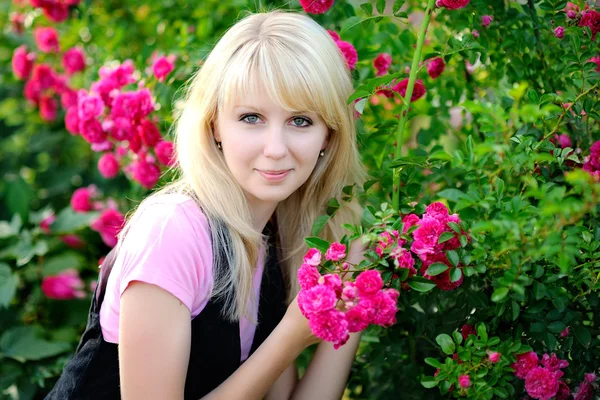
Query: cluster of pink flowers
x=365, y=300
x=110, y=221
x=541, y=381
x=452, y=4
x=592, y=165
x=55, y=10
x=316, y=6
x=400, y=88
x=591, y=19
x=117, y=122
x=346, y=48
x=44, y=83
x=65, y=285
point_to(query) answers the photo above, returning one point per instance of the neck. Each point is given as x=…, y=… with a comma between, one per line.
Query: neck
x=262, y=213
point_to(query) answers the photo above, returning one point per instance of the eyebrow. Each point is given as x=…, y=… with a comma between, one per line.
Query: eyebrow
x=261, y=111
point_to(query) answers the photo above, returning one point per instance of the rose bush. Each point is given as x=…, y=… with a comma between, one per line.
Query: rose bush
x=478, y=122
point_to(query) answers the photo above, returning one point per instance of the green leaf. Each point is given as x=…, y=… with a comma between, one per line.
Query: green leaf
x=556, y=327
x=583, y=335
x=429, y=382
x=482, y=332
x=436, y=269
x=23, y=344
x=539, y=290
x=380, y=6
x=453, y=257
x=446, y=343
x=367, y=8
x=433, y=362
x=18, y=196
x=420, y=162
x=516, y=310
x=319, y=224
x=444, y=237
x=453, y=194
x=61, y=262
x=317, y=243
x=68, y=221
x=499, y=294
x=420, y=284
x=533, y=96
x=397, y=6
x=8, y=285
x=455, y=274
x=457, y=337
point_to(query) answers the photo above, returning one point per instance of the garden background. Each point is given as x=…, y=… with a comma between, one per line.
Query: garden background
x=502, y=129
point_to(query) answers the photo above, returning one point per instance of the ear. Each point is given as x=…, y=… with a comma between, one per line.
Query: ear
x=216, y=134
x=326, y=141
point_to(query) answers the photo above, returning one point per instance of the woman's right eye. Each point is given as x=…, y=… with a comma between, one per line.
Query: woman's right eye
x=250, y=119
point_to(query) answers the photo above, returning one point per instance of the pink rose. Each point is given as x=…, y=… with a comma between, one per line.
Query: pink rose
x=162, y=67
x=571, y=14
x=147, y=174
x=369, y=282
x=73, y=60
x=486, y=20
x=65, y=285
x=435, y=67
x=72, y=120
x=541, y=383
x=46, y=222
x=418, y=90
x=330, y=325
x=164, y=153
x=108, y=165
x=334, y=282
x=595, y=60
x=316, y=6
x=559, y=32
x=525, y=363
x=47, y=39
x=308, y=276
x=349, y=53
x=108, y=225
x=494, y=357
x=312, y=257
x=382, y=63
x=317, y=299
x=467, y=330
x=149, y=133
x=80, y=200
x=475, y=33
x=336, y=252
x=464, y=381
x=452, y=4
x=22, y=62
x=48, y=108
x=591, y=19
x=358, y=318
x=73, y=241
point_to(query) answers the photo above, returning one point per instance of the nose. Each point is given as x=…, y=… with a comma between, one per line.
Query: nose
x=275, y=145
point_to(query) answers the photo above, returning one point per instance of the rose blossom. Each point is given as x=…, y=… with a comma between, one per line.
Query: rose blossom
x=464, y=381
x=316, y=299
x=435, y=67
x=525, y=362
x=486, y=20
x=591, y=19
x=316, y=6
x=108, y=165
x=475, y=33
x=571, y=14
x=73, y=60
x=382, y=63
x=452, y=4
x=553, y=363
x=467, y=330
x=369, y=282
x=164, y=153
x=108, y=225
x=312, y=257
x=541, y=383
x=559, y=32
x=80, y=200
x=334, y=282
x=65, y=285
x=418, y=90
x=595, y=60
x=564, y=392
x=46, y=222
x=494, y=357
x=330, y=325
x=73, y=241
x=48, y=108
x=308, y=276
x=162, y=67
x=146, y=173
x=22, y=62
x=46, y=39
x=349, y=53
x=336, y=252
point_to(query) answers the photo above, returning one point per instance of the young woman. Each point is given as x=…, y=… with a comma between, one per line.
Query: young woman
x=201, y=302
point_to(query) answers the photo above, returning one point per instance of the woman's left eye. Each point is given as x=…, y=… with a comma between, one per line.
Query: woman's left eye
x=302, y=122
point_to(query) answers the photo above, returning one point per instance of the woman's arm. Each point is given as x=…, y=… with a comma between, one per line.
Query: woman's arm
x=154, y=343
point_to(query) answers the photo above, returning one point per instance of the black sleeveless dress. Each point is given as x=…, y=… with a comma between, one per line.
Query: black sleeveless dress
x=93, y=372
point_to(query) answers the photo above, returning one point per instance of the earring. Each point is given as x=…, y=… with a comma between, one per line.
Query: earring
x=219, y=146
x=322, y=153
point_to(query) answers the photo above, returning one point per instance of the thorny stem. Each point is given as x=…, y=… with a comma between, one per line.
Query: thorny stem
x=406, y=103
x=566, y=110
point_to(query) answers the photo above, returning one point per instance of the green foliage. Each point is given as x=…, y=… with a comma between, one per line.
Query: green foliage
x=479, y=141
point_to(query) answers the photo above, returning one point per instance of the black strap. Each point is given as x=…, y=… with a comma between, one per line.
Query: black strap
x=105, y=269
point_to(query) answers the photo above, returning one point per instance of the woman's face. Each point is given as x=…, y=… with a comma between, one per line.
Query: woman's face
x=271, y=152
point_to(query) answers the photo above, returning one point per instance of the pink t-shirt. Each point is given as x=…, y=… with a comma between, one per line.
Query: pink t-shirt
x=169, y=245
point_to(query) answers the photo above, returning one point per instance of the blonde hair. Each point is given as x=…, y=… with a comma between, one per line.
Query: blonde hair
x=301, y=68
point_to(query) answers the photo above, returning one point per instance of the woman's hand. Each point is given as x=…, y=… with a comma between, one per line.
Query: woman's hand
x=298, y=324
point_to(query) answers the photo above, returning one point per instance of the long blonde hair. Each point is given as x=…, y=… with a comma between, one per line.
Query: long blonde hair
x=300, y=66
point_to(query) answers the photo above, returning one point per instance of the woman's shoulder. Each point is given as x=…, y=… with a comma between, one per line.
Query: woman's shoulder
x=172, y=208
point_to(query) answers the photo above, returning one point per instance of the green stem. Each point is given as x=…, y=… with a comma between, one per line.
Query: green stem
x=566, y=110
x=406, y=103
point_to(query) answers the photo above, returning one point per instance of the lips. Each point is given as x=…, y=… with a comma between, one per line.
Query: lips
x=274, y=175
